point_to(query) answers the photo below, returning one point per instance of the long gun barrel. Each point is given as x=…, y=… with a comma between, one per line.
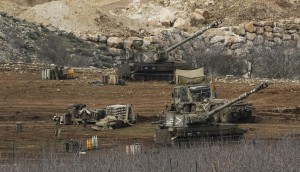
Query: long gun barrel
x=213, y=24
x=241, y=97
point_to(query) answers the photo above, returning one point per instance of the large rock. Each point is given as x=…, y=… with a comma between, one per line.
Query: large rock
x=260, y=30
x=277, y=40
x=233, y=39
x=268, y=29
x=197, y=19
x=2, y=35
x=250, y=36
x=293, y=26
x=268, y=43
x=278, y=30
x=258, y=40
x=116, y=52
x=115, y=42
x=296, y=37
x=279, y=35
x=218, y=46
x=291, y=31
x=216, y=39
x=239, y=30
x=236, y=46
x=249, y=27
x=133, y=42
x=286, y=37
x=102, y=39
x=182, y=23
x=268, y=36
x=242, y=52
x=289, y=44
x=92, y=38
x=248, y=45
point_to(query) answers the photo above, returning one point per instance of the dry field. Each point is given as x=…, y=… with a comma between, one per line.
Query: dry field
x=27, y=98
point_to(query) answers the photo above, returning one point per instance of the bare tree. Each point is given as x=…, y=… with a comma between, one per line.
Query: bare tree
x=275, y=62
x=54, y=50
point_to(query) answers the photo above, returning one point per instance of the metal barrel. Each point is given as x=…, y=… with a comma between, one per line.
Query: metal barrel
x=241, y=97
x=213, y=24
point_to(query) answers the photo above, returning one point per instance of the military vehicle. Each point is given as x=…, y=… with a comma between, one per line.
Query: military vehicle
x=186, y=98
x=117, y=116
x=181, y=126
x=197, y=89
x=153, y=63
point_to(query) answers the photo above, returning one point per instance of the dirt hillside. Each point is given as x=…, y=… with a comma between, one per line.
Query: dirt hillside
x=120, y=16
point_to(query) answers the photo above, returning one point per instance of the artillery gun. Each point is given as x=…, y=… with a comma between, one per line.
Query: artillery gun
x=153, y=63
x=186, y=126
x=187, y=97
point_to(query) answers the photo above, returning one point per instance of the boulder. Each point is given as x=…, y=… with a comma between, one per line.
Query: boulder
x=296, y=37
x=293, y=26
x=248, y=45
x=268, y=43
x=115, y=42
x=278, y=41
x=241, y=52
x=102, y=39
x=131, y=42
x=182, y=23
x=268, y=29
x=233, y=39
x=289, y=43
x=236, y=46
x=268, y=36
x=239, y=30
x=116, y=52
x=292, y=31
x=258, y=40
x=250, y=36
x=92, y=38
x=197, y=19
x=2, y=35
x=286, y=37
x=279, y=35
x=219, y=46
x=278, y=30
x=216, y=39
x=249, y=27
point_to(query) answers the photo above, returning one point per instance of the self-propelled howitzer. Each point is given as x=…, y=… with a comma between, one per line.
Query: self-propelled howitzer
x=152, y=62
x=185, y=126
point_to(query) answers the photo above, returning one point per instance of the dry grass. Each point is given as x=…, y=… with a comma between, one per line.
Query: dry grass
x=280, y=155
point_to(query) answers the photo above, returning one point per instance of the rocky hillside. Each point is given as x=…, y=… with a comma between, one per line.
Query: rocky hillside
x=254, y=32
x=22, y=41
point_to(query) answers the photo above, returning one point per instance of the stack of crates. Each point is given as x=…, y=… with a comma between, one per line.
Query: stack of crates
x=118, y=111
